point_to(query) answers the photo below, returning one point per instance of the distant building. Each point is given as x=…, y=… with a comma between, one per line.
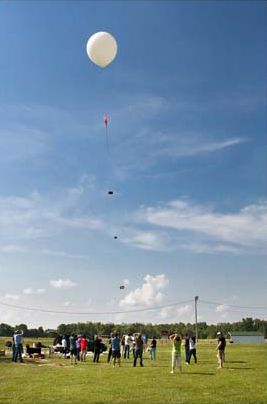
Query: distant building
x=51, y=333
x=246, y=337
x=164, y=335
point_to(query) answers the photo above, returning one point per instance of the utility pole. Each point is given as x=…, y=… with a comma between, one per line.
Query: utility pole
x=196, y=300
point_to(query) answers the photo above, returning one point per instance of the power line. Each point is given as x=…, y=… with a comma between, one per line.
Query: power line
x=132, y=311
x=93, y=313
x=233, y=305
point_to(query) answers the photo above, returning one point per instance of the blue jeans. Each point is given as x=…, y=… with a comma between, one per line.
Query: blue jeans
x=126, y=351
x=192, y=352
x=18, y=352
x=153, y=354
x=187, y=351
x=13, y=352
x=138, y=354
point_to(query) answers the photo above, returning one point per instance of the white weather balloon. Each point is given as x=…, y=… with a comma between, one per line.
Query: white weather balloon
x=102, y=48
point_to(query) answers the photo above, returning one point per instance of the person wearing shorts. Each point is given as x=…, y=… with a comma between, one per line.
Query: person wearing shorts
x=116, y=352
x=176, y=351
x=83, y=347
x=220, y=349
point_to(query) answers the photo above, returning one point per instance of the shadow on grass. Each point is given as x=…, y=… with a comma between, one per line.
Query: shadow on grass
x=199, y=373
x=238, y=368
x=26, y=361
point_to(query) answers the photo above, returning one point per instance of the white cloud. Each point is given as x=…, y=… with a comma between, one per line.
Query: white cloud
x=85, y=183
x=147, y=240
x=170, y=312
x=20, y=142
x=190, y=145
x=148, y=294
x=211, y=248
x=245, y=228
x=30, y=291
x=178, y=224
x=10, y=296
x=36, y=216
x=11, y=249
x=62, y=254
x=62, y=283
x=222, y=308
x=223, y=311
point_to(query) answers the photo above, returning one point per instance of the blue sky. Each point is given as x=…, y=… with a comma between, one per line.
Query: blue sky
x=186, y=99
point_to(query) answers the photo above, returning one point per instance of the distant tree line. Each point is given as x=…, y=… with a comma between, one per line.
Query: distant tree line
x=204, y=330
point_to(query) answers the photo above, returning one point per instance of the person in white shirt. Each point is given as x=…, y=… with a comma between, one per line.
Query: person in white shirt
x=18, y=345
x=64, y=343
x=127, y=346
x=192, y=349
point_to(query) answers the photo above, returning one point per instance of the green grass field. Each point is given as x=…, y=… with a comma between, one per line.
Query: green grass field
x=243, y=380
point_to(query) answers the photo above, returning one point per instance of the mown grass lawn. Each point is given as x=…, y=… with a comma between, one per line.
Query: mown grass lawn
x=243, y=380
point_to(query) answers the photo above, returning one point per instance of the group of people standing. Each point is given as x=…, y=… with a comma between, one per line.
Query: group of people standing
x=136, y=344
x=190, y=350
x=77, y=346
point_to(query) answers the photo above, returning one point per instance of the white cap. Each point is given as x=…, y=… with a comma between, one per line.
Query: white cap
x=219, y=332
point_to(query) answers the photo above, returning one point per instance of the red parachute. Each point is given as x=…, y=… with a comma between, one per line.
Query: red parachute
x=106, y=125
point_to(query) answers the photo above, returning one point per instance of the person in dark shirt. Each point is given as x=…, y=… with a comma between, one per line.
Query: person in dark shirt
x=73, y=349
x=109, y=348
x=97, y=348
x=187, y=349
x=139, y=347
x=220, y=349
x=153, y=346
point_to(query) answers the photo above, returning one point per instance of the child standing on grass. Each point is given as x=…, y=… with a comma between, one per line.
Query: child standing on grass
x=176, y=351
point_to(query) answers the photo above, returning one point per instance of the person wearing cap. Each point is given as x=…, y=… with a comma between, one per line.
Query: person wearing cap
x=220, y=349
